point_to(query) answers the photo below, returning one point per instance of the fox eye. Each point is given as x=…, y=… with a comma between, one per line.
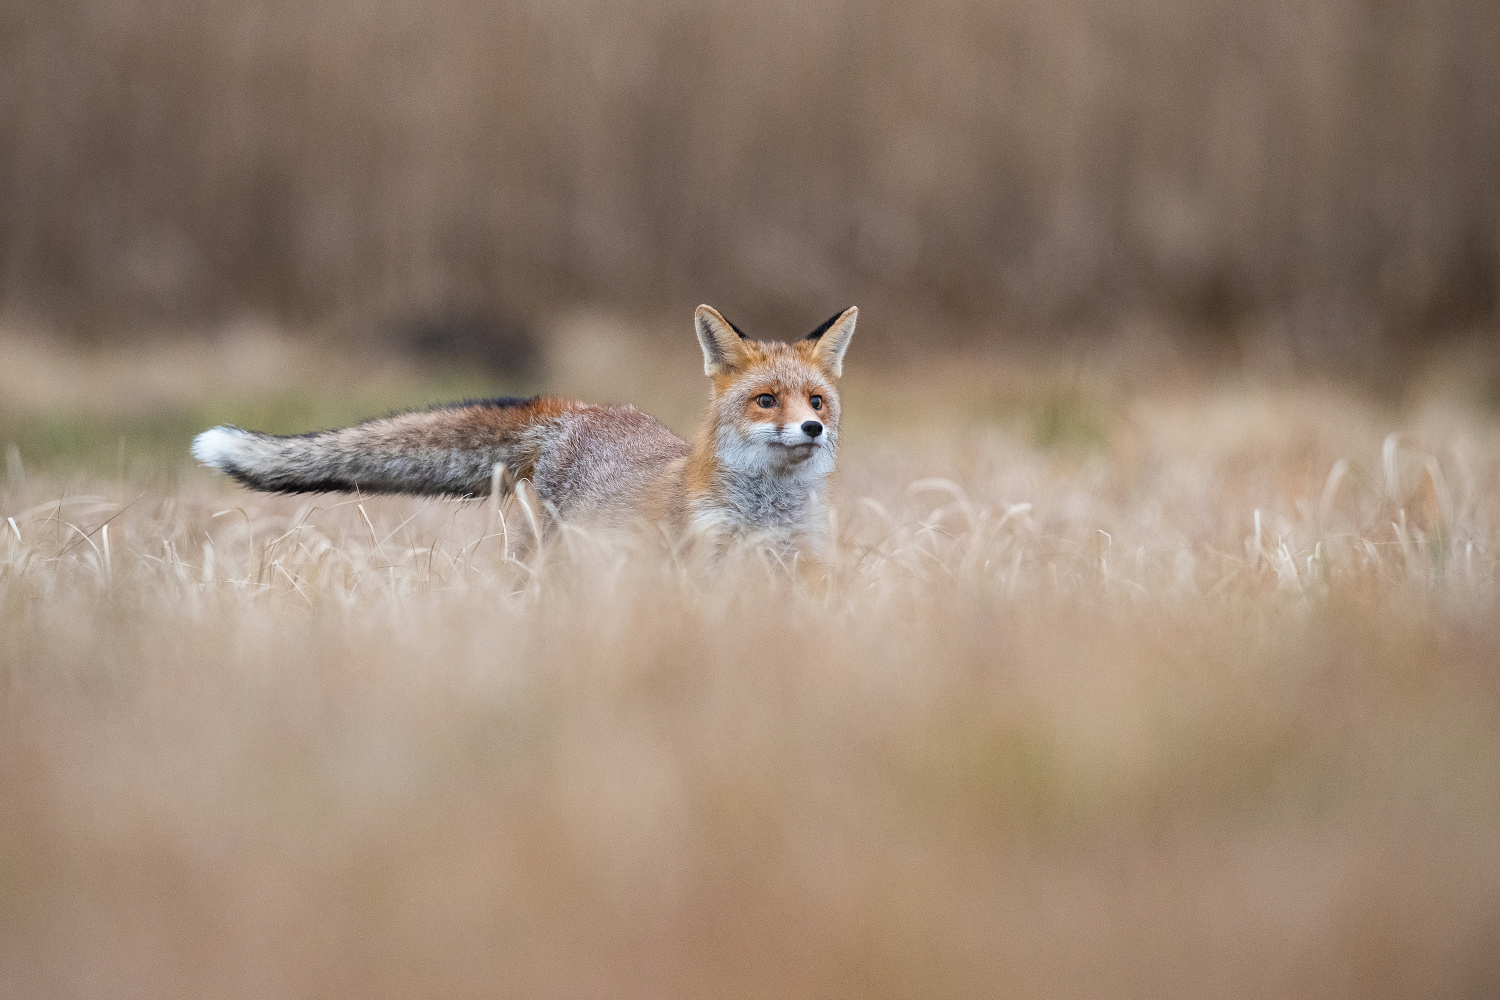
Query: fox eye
x=765, y=400
x=817, y=402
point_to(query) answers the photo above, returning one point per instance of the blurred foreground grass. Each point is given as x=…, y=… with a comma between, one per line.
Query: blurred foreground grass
x=1099, y=692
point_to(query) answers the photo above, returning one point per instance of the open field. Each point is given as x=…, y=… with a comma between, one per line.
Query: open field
x=1156, y=652
x=1114, y=683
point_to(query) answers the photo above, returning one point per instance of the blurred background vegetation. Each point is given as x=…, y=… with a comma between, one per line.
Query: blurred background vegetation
x=1322, y=175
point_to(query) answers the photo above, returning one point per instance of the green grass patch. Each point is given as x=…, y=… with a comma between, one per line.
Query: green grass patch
x=1066, y=420
x=155, y=442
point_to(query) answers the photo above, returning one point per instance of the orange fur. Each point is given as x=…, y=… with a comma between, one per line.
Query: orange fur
x=758, y=465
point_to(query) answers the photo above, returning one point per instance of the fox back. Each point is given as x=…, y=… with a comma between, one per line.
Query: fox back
x=759, y=464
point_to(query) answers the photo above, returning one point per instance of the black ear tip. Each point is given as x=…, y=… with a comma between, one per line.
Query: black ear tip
x=706, y=314
x=825, y=326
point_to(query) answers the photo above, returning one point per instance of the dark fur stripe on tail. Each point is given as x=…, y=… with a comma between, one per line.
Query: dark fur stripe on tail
x=450, y=450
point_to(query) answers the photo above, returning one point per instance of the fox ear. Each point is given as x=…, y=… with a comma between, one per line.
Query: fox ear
x=723, y=343
x=832, y=340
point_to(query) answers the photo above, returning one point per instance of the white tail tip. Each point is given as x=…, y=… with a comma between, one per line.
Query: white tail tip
x=217, y=447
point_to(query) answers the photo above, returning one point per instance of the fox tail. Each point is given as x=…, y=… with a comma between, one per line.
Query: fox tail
x=447, y=451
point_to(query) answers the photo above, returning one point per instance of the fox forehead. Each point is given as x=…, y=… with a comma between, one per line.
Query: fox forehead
x=774, y=367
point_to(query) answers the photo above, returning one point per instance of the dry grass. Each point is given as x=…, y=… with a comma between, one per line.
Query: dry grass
x=1139, y=695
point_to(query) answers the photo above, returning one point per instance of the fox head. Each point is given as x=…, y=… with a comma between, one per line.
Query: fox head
x=775, y=407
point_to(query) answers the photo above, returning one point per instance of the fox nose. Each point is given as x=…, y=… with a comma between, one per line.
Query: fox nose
x=812, y=428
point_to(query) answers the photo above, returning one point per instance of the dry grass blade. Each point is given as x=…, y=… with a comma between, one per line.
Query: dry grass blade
x=1141, y=722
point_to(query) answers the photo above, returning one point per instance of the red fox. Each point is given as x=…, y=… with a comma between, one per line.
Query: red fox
x=759, y=464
